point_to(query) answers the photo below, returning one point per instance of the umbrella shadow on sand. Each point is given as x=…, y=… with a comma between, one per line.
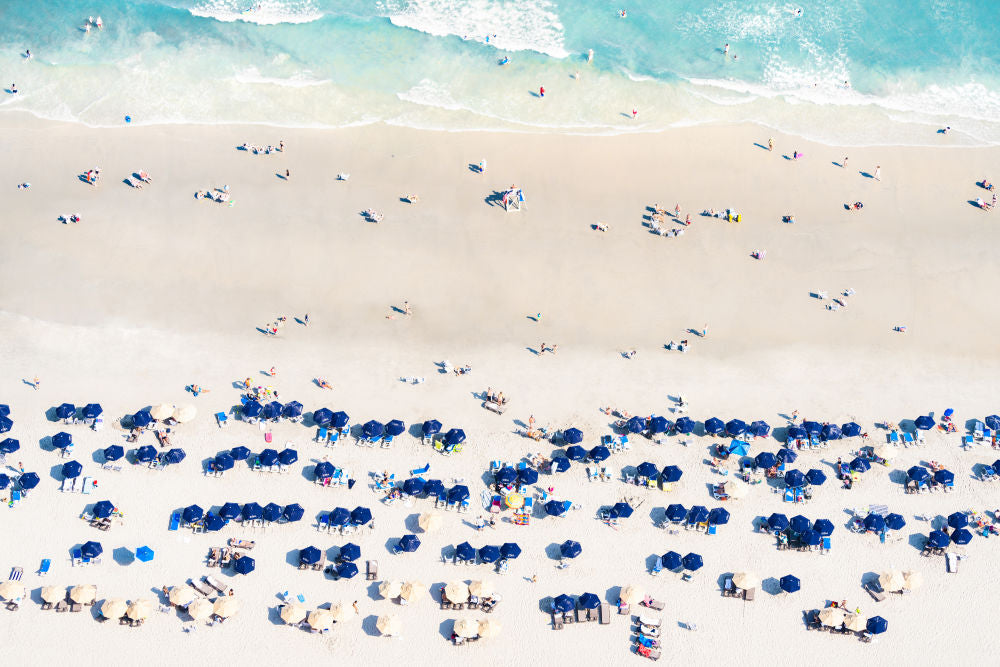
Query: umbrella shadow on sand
x=123, y=556
x=445, y=627
x=554, y=551
x=368, y=625
x=771, y=585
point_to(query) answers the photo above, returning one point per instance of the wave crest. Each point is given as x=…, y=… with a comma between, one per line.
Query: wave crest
x=261, y=12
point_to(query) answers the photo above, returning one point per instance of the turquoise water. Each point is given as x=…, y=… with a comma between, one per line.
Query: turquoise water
x=912, y=66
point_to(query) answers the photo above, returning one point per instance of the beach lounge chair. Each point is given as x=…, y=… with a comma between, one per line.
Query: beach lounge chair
x=875, y=591
x=604, y=612
x=217, y=585
x=200, y=587
x=386, y=441
x=221, y=418
x=62, y=606
x=951, y=562
x=214, y=554
x=464, y=506
x=907, y=439
x=557, y=621
x=439, y=446
x=44, y=568
x=728, y=588
x=321, y=434
x=893, y=438
x=371, y=570
x=77, y=557
x=749, y=593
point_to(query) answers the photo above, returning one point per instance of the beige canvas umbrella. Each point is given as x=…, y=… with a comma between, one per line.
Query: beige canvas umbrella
x=200, y=609
x=53, y=594
x=489, y=628
x=746, y=580
x=181, y=595
x=630, y=595
x=737, y=489
x=389, y=624
x=912, y=580
x=114, y=608
x=429, y=521
x=161, y=411
x=457, y=592
x=226, y=606
x=482, y=589
x=83, y=594
x=856, y=622
x=185, y=413
x=884, y=452
x=320, y=619
x=466, y=627
x=340, y=612
x=140, y=609
x=390, y=589
x=292, y=613
x=832, y=616
x=11, y=589
x=412, y=591
x=892, y=580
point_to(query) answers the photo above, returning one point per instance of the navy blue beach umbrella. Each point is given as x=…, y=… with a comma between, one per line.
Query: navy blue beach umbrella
x=271, y=411
x=510, y=550
x=693, y=562
x=850, y=430
x=91, y=549
x=103, y=509
x=799, y=524
x=323, y=416
x=765, y=460
x=815, y=476
x=230, y=511
x=431, y=427
x=252, y=512
x=555, y=508
x=214, y=522
x=588, y=601
x=505, y=475
x=918, y=473
x=224, y=462
x=877, y=625
x=4, y=481
x=252, y=408
x=292, y=410
x=65, y=411
x=794, y=479
x=676, y=512
x=465, y=551
x=563, y=604
x=621, y=511
x=145, y=454
x=576, y=453
x=560, y=463
x=71, y=469
x=4, y=410
x=659, y=424
x=735, y=427
x=28, y=480
x=409, y=543
x=958, y=520
x=786, y=455
x=795, y=433
x=414, y=486
x=340, y=419
x=684, y=425
x=372, y=429
x=62, y=440
x=714, y=426
x=268, y=457
x=272, y=512
x=698, y=514
x=810, y=538
x=993, y=422
x=10, y=445
x=812, y=428
x=175, y=455
x=573, y=436
x=777, y=522
x=945, y=477
x=340, y=516
x=635, y=425
x=570, y=549
x=323, y=470
x=824, y=527
x=874, y=523
x=759, y=429
x=489, y=554
x=831, y=432
x=193, y=513
x=244, y=565
x=894, y=521
x=309, y=555
x=718, y=516
x=293, y=512
x=239, y=453
x=142, y=419
x=672, y=561
x=860, y=464
x=350, y=552
x=395, y=427
x=938, y=539
x=92, y=411
x=434, y=487
x=599, y=453
x=458, y=493
x=961, y=536
x=527, y=475
x=647, y=469
x=789, y=583
x=114, y=453
x=287, y=457
x=924, y=423
x=671, y=474
x=360, y=516
x=347, y=570
x=455, y=436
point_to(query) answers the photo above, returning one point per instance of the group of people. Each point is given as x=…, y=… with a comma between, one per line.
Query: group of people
x=263, y=150
x=220, y=195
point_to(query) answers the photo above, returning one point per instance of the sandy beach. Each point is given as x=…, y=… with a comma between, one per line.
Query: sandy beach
x=155, y=290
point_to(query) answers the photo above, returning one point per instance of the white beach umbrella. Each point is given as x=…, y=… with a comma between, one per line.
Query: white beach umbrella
x=912, y=580
x=53, y=594
x=200, y=609
x=892, y=580
x=482, y=589
x=457, y=592
x=140, y=609
x=181, y=595
x=320, y=619
x=832, y=616
x=292, y=613
x=390, y=589
x=856, y=622
x=413, y=590
x=746, y=580
x=466, y=627
x=10, y=590
x=185, y=413
x=161, y=411
x=389, y=624
x=429, y=521
x=114, y=608
x=630, y=594
x=83, y=594
x=340, y=612
x=225, y=607
x=489, y=628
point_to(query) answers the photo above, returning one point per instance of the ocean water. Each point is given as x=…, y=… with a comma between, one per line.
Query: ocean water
x=844, y=71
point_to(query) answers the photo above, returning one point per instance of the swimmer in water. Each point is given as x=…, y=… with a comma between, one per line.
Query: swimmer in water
x=725, y=50
x=27, y=53
x=590, y=55
x=99, y=23
x=13, y=89
x=622, y=13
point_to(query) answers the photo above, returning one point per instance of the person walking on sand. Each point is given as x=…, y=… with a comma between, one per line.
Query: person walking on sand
x=770, y=144
x=288, y=174
x=843, y=164
x=704, y=331
x=635, y=112
x=355, y=605
x=305, y=320
x=35, y=383
x=273, y=371
x=406, y=308
x=541, y=91
x=878, y=173
x=534, y=578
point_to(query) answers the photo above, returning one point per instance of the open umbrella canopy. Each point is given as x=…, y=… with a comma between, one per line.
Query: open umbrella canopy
x=938, y=539
x=10, y=445
x=812, y=427
x=360, y=516
x=874, y=523
x=28, y=480
x=877, y=625
x=184, y=413
x=527, y=475
x=309, y=555
x=824, y=527
x=799, y=523
x=103, y=509
x=412, y=591
x=323, y=416
x=83, y=594
x=142, y=419
x=114, y=608
x=832, y=616
x=287, y=457
x=759, y=429
x=252, y=408
x=815, y=476
x=831, y=432
x=347, y=570
x=510, y=550
x=4, y=481
x=659, y=424
x=92, y=411
x=271, y=411
x=912, y=580
x=252, y=511
x=409, y=543
x=224, y=462
x=62, y=440
x=390, y=589
x=140, y=609
x=71, y=469
x=765, y=460
x=145, y=454
x=434, y=487
x=647, y=469
x=739, y=447
x=945, y=477
x=924, y=422
x=465, y=627
x=789, y=583
x=961, y=536
x=588, y=601
x=630, y=594
x=239, y=453
x=735, y=427
x=465, y=551
x=182, y=595
x=226, y=606
x=894, y=521
x=4, y=410
x=489, y=554
x=323, y=470
x=746, y=580
x=505, y=475
x=292, y=410
x=794, y=479
x=214, y=522
x=958, y=520
x=676, y=512
x=458, y=493
x=918, y=474
x=489, y=628
x=855, y=622
x=91, y=549
x=350, y=552
x=671, y=474
x=777, y=522
x=621, y=511
x=53, y=594
x=389, y=624
x=413, y=486
x=340, y=419
x=430, y=427
x=244, y=565
x=860, y=464
x=850, y=430
x=229, y=511
x=635, y=425
x=563, y=604
x=193, y=513
x=573, y=436
x=268, y=457
x=292, y=614
x=175, y=455
x=719, y=516
x=786, y=455
x=714, y=426
x=65, y=411
x=684, y=425
x=161, y=411
x=692, y=561
x=698, y=514
x=811, y=538
x=672, y=561
x=795, y=433
x=599, y=453
x=144, y=554
x=570, y=549
x=271, y=512
x=576, y=453
x=341, y=516
x=372, y=429
x=455, y=436
x=560, y=463
x=395, y=427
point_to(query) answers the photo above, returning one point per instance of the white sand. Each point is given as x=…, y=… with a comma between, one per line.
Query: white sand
x=155, y=290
